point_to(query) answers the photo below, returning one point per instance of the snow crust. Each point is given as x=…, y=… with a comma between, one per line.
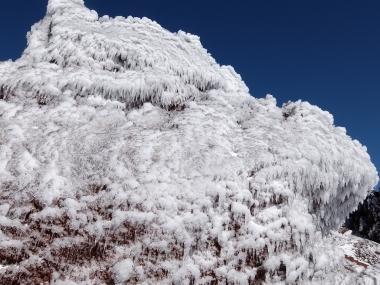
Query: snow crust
x=129, y=156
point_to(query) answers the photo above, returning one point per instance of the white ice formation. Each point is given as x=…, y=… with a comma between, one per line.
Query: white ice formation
x=72, y=51
x=129, y=156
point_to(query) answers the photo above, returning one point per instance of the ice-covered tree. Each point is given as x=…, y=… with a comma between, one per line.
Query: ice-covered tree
x=128, y=155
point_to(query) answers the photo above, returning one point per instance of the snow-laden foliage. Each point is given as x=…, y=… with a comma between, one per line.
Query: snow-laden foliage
x=73, y=52
x=128, y=156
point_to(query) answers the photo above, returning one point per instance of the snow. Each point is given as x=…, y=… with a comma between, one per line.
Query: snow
x=3, y=267
x=111, y=59
x=132, y=155
x=361, y=257
x=123, y=270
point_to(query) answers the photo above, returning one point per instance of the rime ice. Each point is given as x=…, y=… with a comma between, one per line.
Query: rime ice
x=127, y=154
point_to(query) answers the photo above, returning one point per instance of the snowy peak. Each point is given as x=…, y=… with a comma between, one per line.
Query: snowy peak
x=75, y=53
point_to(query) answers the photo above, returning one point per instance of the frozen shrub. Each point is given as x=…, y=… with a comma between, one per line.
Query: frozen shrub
x=129, y=156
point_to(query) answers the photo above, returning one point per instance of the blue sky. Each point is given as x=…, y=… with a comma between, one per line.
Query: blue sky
x=324, y=52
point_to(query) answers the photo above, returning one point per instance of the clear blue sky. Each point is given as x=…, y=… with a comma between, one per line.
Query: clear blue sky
x=324, y=52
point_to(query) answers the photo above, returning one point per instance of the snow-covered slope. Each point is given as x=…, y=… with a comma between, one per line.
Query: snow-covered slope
x=128, y=155
x=362, y=257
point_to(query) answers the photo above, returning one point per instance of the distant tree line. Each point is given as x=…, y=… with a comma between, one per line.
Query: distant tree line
x=365, y=221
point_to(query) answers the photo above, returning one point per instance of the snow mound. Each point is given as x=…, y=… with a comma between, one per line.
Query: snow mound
x=128, y=156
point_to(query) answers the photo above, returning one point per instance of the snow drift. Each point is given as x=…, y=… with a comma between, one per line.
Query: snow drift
x=129, y=156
